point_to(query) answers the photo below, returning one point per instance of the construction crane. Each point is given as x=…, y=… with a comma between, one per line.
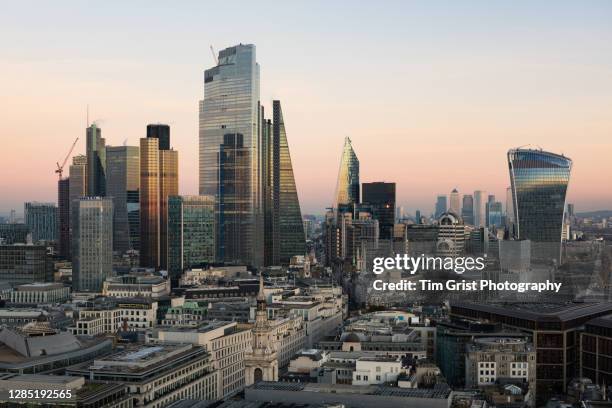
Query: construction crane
x=214, y=55
x=60, y=169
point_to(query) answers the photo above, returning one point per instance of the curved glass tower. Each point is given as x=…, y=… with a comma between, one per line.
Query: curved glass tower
x=347, y=189
x=230, y=153
x=539, y=183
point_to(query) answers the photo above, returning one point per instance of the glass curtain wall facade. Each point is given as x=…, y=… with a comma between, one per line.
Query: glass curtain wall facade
x=168, y=186
x=158, y=181
x=96, y=162
x=92, y=243
x=495, y=214
x=41, y=219
x=123, y=185
x=78, y=188
x=160, y=132
x=347, y=187
x=539, y=182
x=288, y=227
x=441, y=206
x=233, y=201
x=467, y=210
x=191, y=233
x=480, y=208
x=231, y=108
x=380, y=197
x=63, y=217
x=149, y=202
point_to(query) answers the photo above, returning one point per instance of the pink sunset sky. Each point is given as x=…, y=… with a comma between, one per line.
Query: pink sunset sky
x=431, y=96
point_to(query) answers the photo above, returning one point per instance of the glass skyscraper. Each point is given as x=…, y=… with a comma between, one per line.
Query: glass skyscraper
x=162, y=133
x=92, y=243
x=191, y=233
x=441, y=206
x=495, y=215
x=539, y=183
x=41, y=219
x=158, y=181
x=380, y=198
x=123, y=185
x=63, y=217
x=96, y=162
x=230, y=135
x=467, y=209
x=77, y=189
x=287, y=225
x=480, y=208
x=455, y=202
x=347, y=188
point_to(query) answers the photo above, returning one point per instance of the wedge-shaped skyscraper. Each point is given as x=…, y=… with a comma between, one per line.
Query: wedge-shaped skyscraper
x=285, y=229
x=539, y=183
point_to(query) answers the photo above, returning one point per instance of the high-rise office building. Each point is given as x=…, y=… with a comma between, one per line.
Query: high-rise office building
x=455, y=202
x=539, y=183
x=467, y=209
x=191, y=233
x=77, y=189
x=495, y=216
x=480, y=208
x=380, y=198
x=78, y=177
x=490, y=200
x=441, y=206
x=96, y=162
x=168, y=186
x=284, y=228
x=92, y=243
x=161, y=132
x=233, y=202
x=41, y=219
x=230, y=130
x=158, y=181
x=399, y=213
x=123, y=186
x=347, y=187
x=63, y=217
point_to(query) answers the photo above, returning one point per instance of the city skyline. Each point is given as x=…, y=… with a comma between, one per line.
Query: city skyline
x=465, y=106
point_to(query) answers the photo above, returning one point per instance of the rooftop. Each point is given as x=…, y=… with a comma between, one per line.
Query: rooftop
x=40, y=286
x=435, y=393
x=540, y=311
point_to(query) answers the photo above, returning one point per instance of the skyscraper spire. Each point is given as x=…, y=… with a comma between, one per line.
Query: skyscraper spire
x=260, y=295
x=261, y=313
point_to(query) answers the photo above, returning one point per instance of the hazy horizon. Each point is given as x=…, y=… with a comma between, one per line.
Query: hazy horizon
x=432, y=95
